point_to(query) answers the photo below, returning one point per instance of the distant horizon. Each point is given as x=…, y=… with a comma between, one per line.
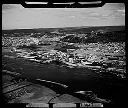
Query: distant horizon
x=63, y=27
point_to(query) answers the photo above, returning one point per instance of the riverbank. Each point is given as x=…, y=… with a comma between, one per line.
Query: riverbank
x=76, y=78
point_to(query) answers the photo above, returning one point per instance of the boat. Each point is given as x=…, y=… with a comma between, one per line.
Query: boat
x=70, y=66
x=91, y=66
x=68, y=63
x=88, y=65
x=86, y=62
x=35, y=60
x=47, y=61
x=31, y=57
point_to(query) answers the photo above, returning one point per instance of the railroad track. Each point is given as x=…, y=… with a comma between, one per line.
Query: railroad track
x=20, y=90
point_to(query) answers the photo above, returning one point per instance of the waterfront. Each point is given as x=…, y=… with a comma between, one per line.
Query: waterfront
x=75, y=78
x=95, y=66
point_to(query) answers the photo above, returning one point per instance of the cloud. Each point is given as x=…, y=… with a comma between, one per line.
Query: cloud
x=7, y=6
x=15, y=16
x=121, y=10
x=11, y=6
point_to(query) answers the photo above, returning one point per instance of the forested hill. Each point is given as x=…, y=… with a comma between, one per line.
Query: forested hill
x=113, y=36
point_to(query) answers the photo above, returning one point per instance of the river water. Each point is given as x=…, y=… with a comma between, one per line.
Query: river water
x=75, y=78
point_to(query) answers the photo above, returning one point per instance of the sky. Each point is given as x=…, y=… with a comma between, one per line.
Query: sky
x=14, y=16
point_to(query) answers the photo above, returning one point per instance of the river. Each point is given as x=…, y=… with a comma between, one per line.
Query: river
x=75, y=78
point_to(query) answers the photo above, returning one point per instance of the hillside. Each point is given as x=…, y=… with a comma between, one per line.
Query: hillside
x=113, y=36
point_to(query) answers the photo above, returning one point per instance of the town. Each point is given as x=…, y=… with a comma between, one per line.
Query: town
x=50, y=47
